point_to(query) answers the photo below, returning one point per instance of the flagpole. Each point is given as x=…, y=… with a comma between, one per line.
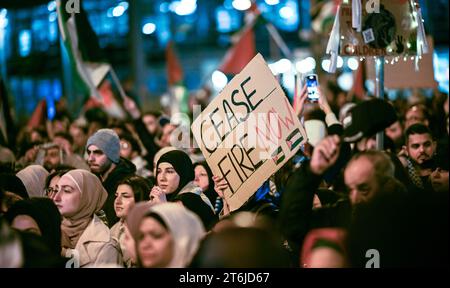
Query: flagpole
x=278, y=40
x=116, y=80
x=379, y=93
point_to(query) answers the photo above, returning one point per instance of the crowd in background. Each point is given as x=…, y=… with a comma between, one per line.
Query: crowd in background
x=99, y=192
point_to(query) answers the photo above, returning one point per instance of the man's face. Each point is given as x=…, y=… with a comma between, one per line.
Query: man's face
x=360, y=180
x=78, y=135
x=52, y=158
x=98, y=161
x=420, y=147
x=413, y=116
x=151, y=123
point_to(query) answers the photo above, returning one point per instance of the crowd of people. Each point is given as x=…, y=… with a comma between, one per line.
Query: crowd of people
x=99, y=192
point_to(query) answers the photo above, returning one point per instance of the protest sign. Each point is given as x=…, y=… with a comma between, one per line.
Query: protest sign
x=400, y=74
x=388, y=30
x=248, y=131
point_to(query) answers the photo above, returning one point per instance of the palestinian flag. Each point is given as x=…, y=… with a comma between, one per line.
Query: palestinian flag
x=244, y=49
x=81, y=44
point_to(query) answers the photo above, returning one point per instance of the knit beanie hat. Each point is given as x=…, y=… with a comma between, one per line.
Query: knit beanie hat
x=182, y=165
x=107, y=141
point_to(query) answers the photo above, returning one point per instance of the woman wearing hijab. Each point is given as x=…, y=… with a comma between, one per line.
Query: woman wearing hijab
x=167, y=235
x=203, y=178
x=13, y=191
x=174, y=177
x=39, y=216
x=33, y=178
x=80, y=196
x=130, y=190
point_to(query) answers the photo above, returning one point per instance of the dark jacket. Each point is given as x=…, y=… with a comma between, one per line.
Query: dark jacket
x=297, y=216
x=123, y=169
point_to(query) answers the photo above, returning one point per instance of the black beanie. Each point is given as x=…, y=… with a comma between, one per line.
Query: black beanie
x=182, y=165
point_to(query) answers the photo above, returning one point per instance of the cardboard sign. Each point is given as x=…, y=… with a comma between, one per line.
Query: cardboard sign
x=248, y=131
x=389, y=30
x=402, y=74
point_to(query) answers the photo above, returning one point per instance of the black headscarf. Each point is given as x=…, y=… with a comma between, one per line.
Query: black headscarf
x=182, y=165
x=210, y=193
x=46, y=215
x=12, y=183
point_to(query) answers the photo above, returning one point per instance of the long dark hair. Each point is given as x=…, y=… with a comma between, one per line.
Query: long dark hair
x=141, y=187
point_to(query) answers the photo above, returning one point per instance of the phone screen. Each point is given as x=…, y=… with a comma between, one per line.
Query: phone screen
x=311, y=87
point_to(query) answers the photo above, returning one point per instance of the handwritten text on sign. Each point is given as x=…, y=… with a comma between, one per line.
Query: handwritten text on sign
x=248, y=131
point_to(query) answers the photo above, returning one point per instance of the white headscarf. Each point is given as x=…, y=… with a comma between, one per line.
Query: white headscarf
x=33, y=178
x=186, y=229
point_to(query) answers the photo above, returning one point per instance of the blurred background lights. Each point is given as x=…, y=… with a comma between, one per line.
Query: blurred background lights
x=326, y=65
x=281, y=66
x=219, y=80
x=286, y=12
x=51, y=6
x=272, y=2
x=241, y=5
x=345, y=81
x=52, y=17
x=306, y=65
x=3, y=19
x=148, y=28
x=183, y=7
x=353, y=63
x=118, y=11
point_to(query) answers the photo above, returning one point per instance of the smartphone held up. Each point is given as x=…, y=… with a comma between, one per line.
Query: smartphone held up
x=312, y=84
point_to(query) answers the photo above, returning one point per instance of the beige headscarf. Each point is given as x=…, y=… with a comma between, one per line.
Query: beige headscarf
x=33, y=178
x=186, y=229
x=93, y=196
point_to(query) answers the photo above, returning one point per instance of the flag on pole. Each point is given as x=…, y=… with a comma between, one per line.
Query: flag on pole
x=81, y=44
x=174, y=70
x=240, y=54
x=175, y=77
x=39, y=115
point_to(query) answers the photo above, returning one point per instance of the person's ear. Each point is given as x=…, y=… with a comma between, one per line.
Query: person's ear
x=404, y=148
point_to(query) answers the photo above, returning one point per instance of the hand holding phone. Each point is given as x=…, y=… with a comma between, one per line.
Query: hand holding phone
x=312, y=83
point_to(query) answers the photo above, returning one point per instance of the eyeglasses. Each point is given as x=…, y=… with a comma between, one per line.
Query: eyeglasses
x=50, y=191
